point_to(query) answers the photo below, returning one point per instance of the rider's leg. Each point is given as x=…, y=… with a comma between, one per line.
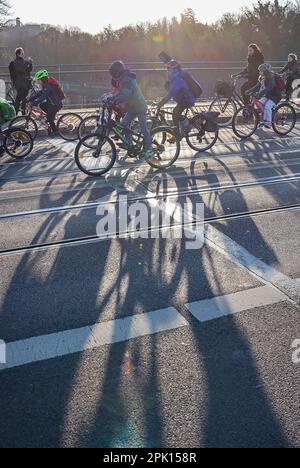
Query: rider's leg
x=21, y=95
x=142, y=116
x=51, y=112
x=176, y=116
x=126, y=121
x=268, y=114
x=245, y=87
x=24, y=101
x=289, y=87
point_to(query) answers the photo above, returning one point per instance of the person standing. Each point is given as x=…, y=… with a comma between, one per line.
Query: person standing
x=20, y=72
x=292, y=70
x=251, y=72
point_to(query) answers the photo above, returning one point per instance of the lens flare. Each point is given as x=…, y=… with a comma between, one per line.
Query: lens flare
x=158, y=39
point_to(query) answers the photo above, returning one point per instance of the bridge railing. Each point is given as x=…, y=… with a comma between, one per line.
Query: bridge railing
x=85, y=83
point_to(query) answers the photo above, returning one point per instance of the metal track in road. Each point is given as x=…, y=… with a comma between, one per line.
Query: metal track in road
x=95, y=239
x=95, y=183
x=195, y=157
x=213, y=188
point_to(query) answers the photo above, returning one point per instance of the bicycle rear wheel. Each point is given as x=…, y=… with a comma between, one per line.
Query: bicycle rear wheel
x=226, y=107
x=95, y=155
x=87, y=126
x=17, y=143
x=284, y=119
x=245, y=122
x=27, y=123
x=67, y=126
x=198, y=139
x=167, y=153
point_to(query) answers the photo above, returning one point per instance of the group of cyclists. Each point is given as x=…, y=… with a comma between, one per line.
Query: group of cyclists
x=130, y=103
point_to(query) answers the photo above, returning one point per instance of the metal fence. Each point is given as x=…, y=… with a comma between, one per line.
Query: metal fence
x=85, y=83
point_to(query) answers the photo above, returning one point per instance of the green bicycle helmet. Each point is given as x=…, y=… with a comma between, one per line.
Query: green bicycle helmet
x=41, y=74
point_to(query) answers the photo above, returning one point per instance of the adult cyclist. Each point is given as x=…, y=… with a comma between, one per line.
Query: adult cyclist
x=131, y=99
x=179, y=90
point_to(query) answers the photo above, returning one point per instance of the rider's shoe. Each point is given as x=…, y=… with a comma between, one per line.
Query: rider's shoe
x=146, y=154
x=149, y=156
x=267, y=125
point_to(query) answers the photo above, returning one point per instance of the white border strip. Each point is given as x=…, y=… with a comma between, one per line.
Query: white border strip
x=20, y=353
x=222, y=306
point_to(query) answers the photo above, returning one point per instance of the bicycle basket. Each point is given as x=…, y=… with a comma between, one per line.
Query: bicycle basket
x=223, y=89
x=210, y=121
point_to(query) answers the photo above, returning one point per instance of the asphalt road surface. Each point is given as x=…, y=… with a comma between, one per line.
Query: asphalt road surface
x=146, y=342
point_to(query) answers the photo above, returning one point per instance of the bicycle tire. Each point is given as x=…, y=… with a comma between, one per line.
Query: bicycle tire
x=73, y=128
x=17, y=123
x=241, y=110
x=82, y=125
x=8, y=133
x=169, y=133
x=215, y=107
x=82, y=146
x=294, y=114
x=201, y=149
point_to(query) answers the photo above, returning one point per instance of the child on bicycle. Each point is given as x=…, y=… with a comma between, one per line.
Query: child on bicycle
x=7, y=113
x=268, y=92
x=179, y=90
x=49, y=99
x=292, y=70
x=131, y=99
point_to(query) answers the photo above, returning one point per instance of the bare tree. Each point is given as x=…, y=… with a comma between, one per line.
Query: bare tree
x=4, y=12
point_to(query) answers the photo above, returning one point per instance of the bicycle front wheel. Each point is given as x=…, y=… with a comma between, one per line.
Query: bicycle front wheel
x=245, y=122
x=67, y=126
x=27, y=123
x=17, y=143
x=226, y=107
x=284, y=119
x=95, y=155
x=167, y=153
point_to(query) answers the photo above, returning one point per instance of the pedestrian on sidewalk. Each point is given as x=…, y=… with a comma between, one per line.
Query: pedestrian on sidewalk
x=20, y=72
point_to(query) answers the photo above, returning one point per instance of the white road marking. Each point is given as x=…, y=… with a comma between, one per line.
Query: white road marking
x=222, y=306
x=238, y=254
x=257, y=267
x=20, y=353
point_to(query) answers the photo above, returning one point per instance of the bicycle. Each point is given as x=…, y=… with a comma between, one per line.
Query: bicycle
x=16, y=142
x=199, y=129
x=226, y=102
x=247, y=119
x=35, y=118
x=96, y=153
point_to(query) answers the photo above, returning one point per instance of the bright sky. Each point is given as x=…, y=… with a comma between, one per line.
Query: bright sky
x=93, y=15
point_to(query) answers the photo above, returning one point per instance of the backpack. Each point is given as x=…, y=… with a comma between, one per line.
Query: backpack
x=193, y=85
x=279, y=82
x=53, y=82
x=7, y=111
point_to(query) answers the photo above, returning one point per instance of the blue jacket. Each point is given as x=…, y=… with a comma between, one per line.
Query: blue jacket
x=130, y=93
x=179, y=89
x=47, y=94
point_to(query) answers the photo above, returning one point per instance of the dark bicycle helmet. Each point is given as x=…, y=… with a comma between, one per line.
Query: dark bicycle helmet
x=117, y=68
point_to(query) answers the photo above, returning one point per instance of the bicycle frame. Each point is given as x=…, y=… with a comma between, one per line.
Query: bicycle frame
x=257, y=105
x=235, y=96
x=108, y=124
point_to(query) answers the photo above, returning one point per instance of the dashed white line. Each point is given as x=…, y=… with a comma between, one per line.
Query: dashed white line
x=217, y=307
